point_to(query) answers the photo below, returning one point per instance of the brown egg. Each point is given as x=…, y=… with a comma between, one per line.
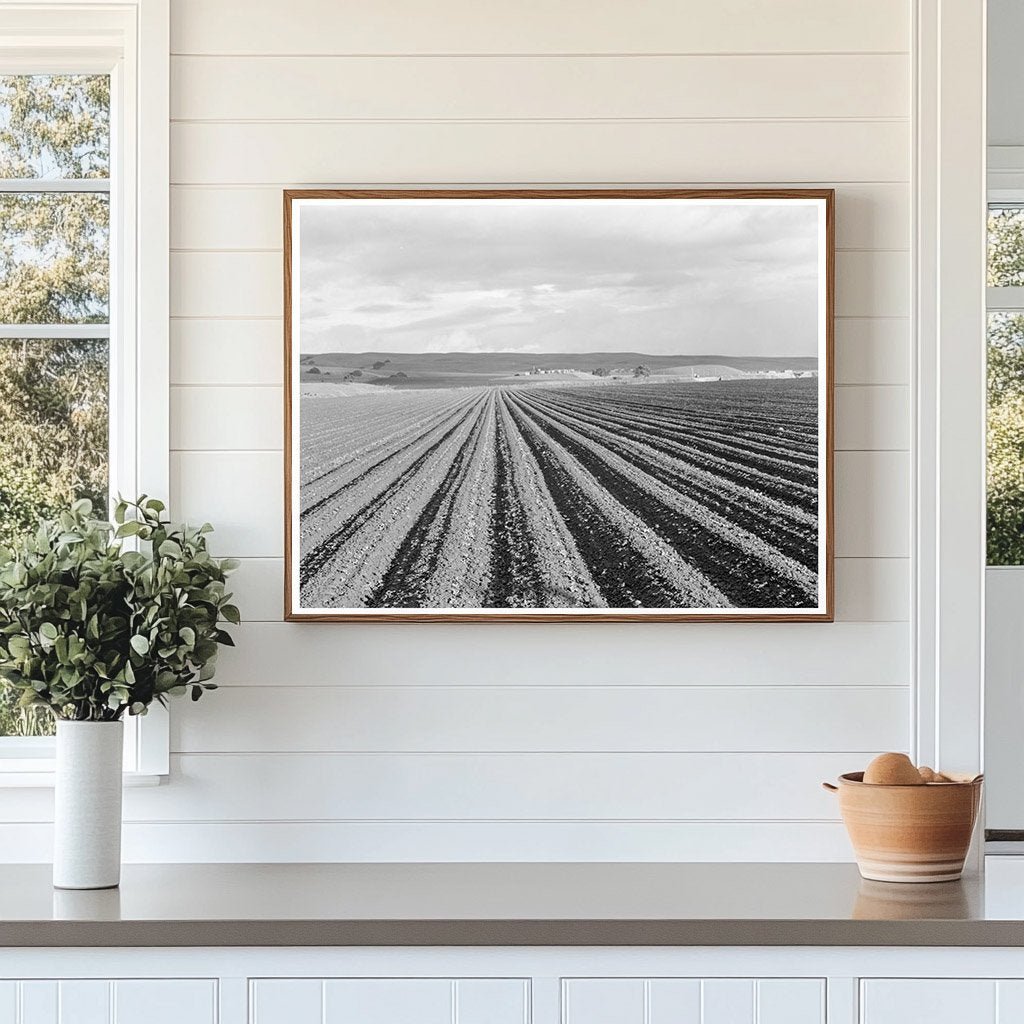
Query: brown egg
x=928, y=774
x=893, y=770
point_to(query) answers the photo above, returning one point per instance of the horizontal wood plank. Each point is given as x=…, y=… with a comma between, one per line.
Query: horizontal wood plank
x=417, y=787
x=576, y=26
x=227, y=352
x=209, y=418
x=872, y=418
x=249, y=284
x=873, y=216
x=368, y=719
x=872, y=350
x=867, y=589
x=241, y=493
x=873, y=284
x=872, y=502
x=528, y=88
x=869, y=350
x=727, y=152
x=280, y=654
x=214, y=418
x=458, y=842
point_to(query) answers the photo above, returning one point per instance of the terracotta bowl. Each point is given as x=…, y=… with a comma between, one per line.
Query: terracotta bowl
x=909, y=833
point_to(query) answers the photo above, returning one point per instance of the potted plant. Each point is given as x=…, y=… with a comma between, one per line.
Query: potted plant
x=99, y=620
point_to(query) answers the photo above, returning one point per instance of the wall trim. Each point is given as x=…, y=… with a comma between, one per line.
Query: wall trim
x=949, y=446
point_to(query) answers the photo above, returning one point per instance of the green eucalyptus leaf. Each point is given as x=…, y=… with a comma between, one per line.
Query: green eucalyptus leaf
x=92, y=630
x=170, y=549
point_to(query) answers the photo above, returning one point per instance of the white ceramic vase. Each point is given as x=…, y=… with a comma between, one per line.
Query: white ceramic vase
x=87, y=811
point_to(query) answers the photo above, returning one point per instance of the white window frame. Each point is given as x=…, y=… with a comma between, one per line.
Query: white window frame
x=1004, y=714
x=949, y=442
x=130, y=41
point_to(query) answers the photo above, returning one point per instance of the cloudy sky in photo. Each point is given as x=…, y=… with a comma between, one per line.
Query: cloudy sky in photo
x=570, y=276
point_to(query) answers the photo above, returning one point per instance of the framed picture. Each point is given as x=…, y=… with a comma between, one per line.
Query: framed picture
x=546, y=405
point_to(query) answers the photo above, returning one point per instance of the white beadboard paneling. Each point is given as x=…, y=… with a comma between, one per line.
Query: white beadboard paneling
x=101, y=1001
x=492, y=1001
x=538, y=88
x=388, y=1001
x=39, y=1002
x=867, y=589
x=673, y=1001
x=873, y=589
x=85, y=1002
x=286, y=1001
x=872, y=350
x=727, y=1001
x=239, y=492
x=452, y=786
x=873, y=283
x=872, y=501
x=467, y=718
x=693, y=1001
x=603, y=1001
x=872, y=418
x=462, y=842
x=570, y=654
x=1010, y=1001
x=937, y=1001
x=150, y=1001
x=730, y=152
x=249, y=216
x=242, y=352
x=461, y=26
x=790, y=1001
x=214, y=418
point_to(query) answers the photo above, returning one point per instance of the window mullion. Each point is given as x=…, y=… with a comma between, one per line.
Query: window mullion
x=61, y=332
x=1005, y=300
x=54, y=185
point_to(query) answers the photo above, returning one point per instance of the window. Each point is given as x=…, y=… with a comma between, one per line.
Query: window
x=84, y=124
x=54, y=309
x=1005, y=499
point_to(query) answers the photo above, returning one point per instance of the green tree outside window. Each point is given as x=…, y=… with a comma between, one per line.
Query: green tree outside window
x=54, y=270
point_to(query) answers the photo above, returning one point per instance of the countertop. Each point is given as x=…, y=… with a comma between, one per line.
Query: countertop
x=511, y=904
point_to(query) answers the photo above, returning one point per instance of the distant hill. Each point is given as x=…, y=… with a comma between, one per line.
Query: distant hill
x=417, y=363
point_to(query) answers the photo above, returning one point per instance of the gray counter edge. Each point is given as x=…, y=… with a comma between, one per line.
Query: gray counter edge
x=249, y=933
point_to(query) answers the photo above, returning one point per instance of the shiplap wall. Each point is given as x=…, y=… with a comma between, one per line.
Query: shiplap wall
x=633, y=741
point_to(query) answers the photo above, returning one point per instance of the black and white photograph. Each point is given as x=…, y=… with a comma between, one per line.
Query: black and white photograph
x=559, y=405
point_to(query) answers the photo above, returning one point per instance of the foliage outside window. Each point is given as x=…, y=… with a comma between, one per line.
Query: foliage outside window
x=54, y=309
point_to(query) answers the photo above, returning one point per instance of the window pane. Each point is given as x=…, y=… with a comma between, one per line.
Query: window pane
x=54, y=258
x=53, y=449
x=1005, y=246
x=54, y=264
x=54, y=126
x=1006, y=439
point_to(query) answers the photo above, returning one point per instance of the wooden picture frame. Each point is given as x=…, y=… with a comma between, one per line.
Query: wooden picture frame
x=373, y=221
